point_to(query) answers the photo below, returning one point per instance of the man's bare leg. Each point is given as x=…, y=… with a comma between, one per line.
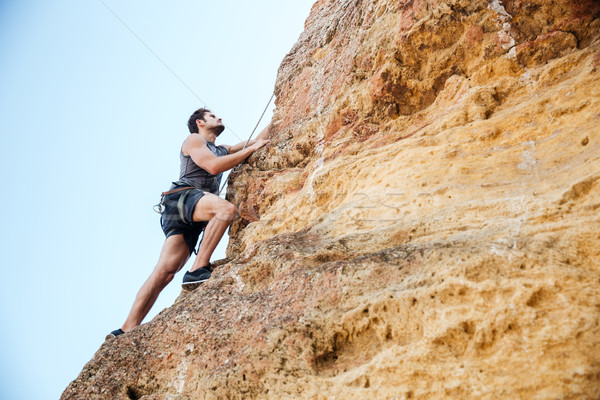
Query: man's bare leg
x=174, y=254
x=219, y=213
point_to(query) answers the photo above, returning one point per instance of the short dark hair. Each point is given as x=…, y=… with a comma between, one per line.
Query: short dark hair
x=198, y=114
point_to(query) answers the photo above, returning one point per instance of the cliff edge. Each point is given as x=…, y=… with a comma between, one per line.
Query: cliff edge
x=424, y=225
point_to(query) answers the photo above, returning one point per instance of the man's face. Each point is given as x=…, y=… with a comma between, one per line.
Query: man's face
x=214, y=124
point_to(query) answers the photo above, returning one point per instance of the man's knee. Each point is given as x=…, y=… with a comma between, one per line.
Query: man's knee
x=226, y=211
x=229, y=211
x=166, y=277
x=209, y=207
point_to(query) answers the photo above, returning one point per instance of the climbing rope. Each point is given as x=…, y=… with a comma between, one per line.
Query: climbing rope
x=252, y=134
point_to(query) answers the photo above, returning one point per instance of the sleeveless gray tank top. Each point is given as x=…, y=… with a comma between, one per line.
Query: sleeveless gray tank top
x=190, y=174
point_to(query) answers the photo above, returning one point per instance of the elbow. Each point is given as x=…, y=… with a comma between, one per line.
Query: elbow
x=213, y=170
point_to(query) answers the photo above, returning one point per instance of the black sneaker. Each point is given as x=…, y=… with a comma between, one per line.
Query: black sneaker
x=114, y=334
x=191, y=280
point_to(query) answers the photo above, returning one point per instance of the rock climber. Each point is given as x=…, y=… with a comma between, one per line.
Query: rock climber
x=191, y=205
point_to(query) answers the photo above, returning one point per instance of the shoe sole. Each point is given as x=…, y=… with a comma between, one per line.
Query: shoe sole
x=189, y=286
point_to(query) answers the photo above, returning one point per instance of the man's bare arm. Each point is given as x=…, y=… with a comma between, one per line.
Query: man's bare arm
x=262, y=135
x=196, y=147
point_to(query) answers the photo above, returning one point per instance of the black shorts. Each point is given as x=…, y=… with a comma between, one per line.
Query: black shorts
x=178, y=215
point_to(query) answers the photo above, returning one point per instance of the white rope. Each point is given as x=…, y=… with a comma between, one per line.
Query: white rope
x=252, y=134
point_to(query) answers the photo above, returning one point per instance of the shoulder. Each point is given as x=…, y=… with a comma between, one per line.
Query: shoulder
x=191, y=142
x=194, y=139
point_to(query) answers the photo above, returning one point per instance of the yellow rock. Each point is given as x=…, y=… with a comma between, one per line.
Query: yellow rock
x=424, y=225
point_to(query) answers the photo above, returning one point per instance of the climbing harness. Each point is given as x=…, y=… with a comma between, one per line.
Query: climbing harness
x=160, y=207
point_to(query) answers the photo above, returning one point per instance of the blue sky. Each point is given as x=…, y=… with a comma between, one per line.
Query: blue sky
x=91, y=125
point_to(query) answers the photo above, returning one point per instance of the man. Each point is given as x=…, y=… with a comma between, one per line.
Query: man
x=191, y=205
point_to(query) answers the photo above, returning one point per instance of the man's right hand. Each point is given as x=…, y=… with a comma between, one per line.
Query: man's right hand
x=258, y=144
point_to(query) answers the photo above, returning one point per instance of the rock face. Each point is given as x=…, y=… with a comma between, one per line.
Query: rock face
x=424, y=225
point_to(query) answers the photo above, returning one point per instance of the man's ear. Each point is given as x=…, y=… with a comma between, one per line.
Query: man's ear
x=200, y=122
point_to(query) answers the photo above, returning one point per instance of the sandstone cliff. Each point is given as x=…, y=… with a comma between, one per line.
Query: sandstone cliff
x=424, y=226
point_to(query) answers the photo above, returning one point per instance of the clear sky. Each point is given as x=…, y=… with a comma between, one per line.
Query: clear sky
x=91, y=126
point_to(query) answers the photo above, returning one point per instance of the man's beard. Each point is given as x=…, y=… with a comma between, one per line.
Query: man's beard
x=217, y=130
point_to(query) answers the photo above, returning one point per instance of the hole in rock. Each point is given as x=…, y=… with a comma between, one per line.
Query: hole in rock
x=133, y=394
